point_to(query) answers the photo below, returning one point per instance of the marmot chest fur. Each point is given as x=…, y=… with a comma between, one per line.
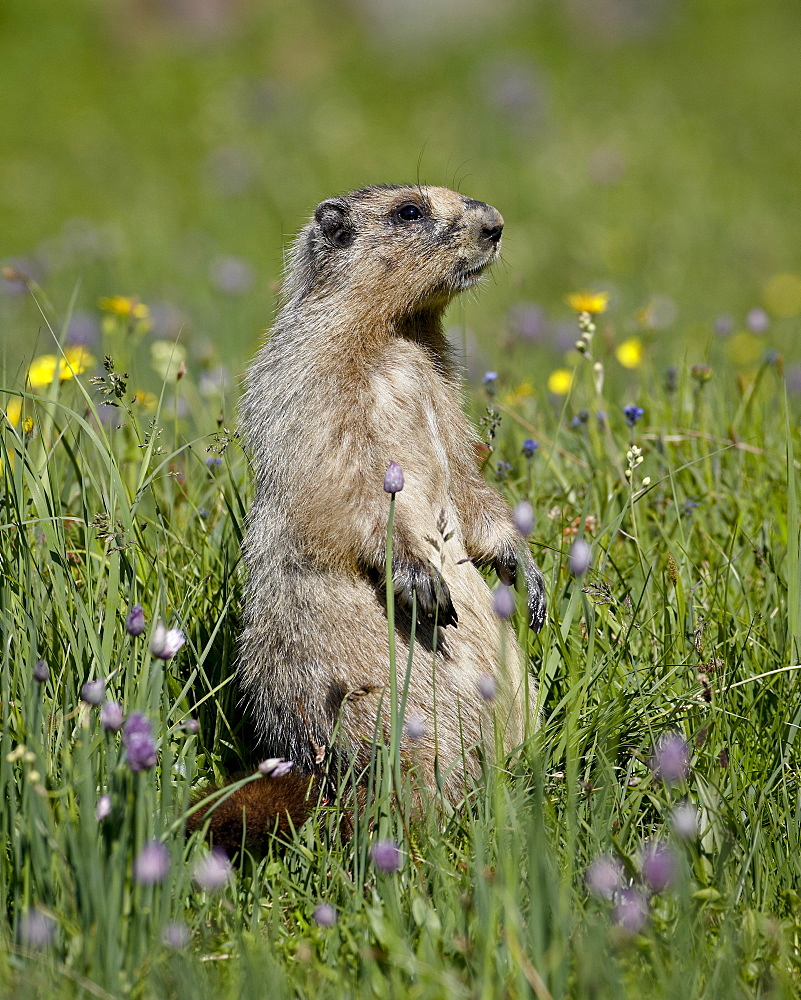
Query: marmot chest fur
x=358, y=373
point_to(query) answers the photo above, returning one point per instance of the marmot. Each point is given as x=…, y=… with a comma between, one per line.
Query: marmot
x=356, y=374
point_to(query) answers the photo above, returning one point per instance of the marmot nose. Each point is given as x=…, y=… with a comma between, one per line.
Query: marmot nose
x=492, y=225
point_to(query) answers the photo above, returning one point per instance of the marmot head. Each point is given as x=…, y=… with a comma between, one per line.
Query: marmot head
x=399, y=249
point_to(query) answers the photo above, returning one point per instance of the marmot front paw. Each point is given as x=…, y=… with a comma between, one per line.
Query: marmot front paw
x=433, y=596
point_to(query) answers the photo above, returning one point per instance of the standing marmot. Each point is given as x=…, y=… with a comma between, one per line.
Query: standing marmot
x=358, y=373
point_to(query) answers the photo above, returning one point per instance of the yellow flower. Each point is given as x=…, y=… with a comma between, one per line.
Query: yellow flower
x=630, y=353
x=47, y=367
x=124, y=305
x=14, y=411
x=145, y=399
x=560, y=381
x=519, y=394
x=588, y=302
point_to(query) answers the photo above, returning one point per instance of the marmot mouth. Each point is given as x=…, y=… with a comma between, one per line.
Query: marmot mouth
x=467, y=276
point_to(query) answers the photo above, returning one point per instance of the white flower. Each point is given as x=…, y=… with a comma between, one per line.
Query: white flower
x=165, y=642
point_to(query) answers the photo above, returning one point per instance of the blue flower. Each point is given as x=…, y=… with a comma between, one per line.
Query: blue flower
x=633, y=414
x=502, y=470
x=529, y=447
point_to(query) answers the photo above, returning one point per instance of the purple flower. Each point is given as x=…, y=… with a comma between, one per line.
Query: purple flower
x=191, y=726
x=324, y=915
x=604, y=877
x=393, y=478
x=386, y=856
x=212, y=871
x=41, y=671
x=684, y=821
x=502, y=470
x=530, y=446
x=671, y=758
x=36, y=930
x=658, y=867
x=580, y=557
x=93, y=692
x=523, y=517
x=103, y=808
x=489, y=379
x=633, y=413
x=723, y=325
x=164, y=642
x=415, y=728
x=111, y=716
x=213, y=463
x=135, y=622
x=275, y=767
x=140, y=747
x=631, y=910
x=152, y=863
x=176, y=935
x=757, y=320
x=503, y=603
x=486, y=687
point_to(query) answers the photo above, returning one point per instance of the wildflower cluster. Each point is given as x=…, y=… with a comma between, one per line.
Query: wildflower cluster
x=48, y=368
x=125, y=314
x=634, y=458
x=656, y=866
x=587, y=327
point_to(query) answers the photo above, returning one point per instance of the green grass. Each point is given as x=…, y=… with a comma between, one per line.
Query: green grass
x=649, y=157
x=686, y=622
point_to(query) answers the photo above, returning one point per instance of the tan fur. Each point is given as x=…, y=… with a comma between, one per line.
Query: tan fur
x=358, y=373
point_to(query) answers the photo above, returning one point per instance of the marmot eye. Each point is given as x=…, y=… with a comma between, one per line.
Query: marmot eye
x=410, y=213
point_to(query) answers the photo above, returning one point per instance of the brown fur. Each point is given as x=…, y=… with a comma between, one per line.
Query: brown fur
x=358, y=373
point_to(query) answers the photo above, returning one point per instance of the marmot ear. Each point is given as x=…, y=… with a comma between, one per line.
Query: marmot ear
x=335, y=223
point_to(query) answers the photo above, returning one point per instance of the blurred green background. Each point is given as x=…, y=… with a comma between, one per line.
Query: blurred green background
x=168, y=149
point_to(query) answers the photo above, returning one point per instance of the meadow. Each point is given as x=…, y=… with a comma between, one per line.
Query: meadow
x=644, y=841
